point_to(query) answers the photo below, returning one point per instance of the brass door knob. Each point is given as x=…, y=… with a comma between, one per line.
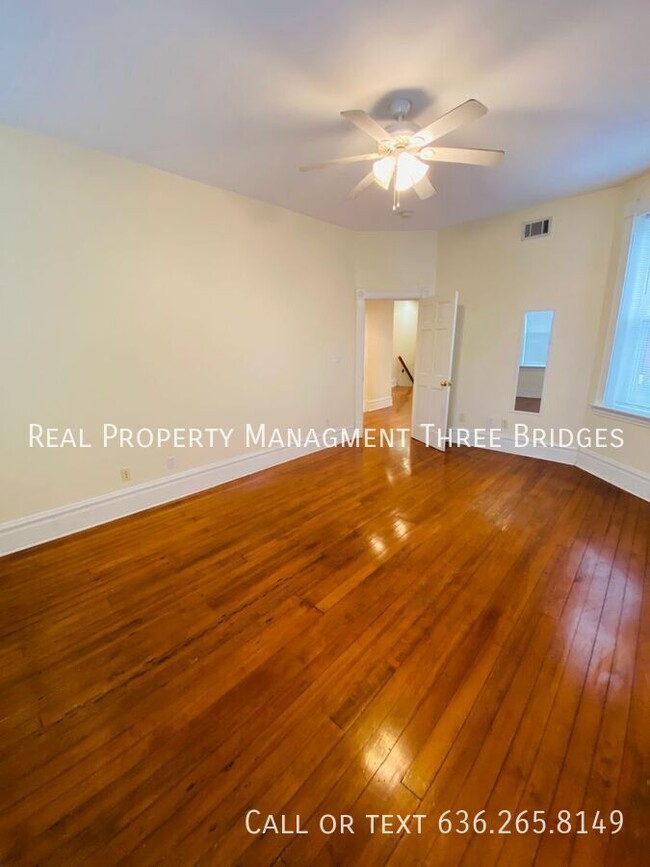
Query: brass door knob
x=445, y=383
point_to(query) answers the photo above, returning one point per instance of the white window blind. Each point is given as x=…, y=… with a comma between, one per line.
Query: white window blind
x=628, y=380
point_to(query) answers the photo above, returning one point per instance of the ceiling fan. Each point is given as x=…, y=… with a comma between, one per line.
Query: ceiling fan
x=404, y=149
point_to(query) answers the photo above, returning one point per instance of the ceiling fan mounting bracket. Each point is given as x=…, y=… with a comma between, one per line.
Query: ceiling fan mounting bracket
x=400, y=107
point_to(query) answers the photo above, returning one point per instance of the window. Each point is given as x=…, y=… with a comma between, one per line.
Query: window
x=537, y=336
x=628, y=379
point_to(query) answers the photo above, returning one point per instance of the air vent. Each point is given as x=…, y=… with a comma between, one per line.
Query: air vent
x=536, y=229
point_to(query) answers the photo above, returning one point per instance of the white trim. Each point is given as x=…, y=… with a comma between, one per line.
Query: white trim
x=55, y=523
x=620, y=475
x=557, y=454
x=620, y=415
x=378, y=403
x=394, y=294
x=627, y=478
x=630, y=211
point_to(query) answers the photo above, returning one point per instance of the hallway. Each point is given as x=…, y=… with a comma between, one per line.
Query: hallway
x=397, y=415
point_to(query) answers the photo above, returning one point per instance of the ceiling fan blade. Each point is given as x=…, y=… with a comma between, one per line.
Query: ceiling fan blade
x=363, y=184
x=367, y=124
x=424, y=188
x=470, y=110
x=469, y=156
x=356, y=159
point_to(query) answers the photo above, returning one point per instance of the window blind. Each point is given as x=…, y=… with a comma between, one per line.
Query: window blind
x=628, y=380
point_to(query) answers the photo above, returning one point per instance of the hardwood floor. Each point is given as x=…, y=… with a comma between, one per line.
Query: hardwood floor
x=391, y=631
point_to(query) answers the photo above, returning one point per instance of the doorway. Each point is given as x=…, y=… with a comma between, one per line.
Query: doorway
x=390, y=333
x=434, y=342
x=386, y=340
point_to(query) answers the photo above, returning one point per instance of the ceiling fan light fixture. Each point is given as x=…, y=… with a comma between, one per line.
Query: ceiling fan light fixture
x=410, y=170
x=403, y=150
x=383, y=171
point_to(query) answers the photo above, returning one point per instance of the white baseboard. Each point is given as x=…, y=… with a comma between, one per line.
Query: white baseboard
x=378, y=403
x=557, y=454
x=628, y=479
x=56, y=523
x=622, y=476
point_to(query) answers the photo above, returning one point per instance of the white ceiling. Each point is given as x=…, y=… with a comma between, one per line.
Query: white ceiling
x=239, y=94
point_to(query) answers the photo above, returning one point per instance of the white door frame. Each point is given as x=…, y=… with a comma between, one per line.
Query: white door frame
x=362, y=296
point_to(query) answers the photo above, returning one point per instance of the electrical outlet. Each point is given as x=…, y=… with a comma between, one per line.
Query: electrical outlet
x=125, y=474
x=171, y=462
x=461, y=416
x=504, y=423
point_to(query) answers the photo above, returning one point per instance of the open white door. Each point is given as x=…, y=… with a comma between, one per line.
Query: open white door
x=433, y=359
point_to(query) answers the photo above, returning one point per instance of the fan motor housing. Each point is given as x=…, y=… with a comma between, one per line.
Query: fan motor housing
x=402, y=127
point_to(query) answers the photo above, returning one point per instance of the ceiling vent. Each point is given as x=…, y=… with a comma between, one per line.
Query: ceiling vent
x=536, y=229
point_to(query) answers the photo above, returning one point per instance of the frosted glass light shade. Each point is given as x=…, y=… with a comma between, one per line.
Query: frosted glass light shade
x=410, y=170
x=383, y=171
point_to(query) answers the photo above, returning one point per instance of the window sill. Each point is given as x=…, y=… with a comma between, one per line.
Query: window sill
x=620, y=414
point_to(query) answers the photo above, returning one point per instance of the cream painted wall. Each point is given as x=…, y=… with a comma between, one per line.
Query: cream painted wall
x=636, y=450
x=378, y=347
x=137, y=297
x=395, y=261
x=405, y=327
x=499, y=277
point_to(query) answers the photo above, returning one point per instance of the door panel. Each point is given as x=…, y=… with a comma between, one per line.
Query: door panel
x=433, y=360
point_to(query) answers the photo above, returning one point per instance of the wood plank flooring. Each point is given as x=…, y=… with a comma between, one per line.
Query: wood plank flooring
x=379, y=631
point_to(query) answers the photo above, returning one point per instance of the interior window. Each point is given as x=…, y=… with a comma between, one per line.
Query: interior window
x=628, y=379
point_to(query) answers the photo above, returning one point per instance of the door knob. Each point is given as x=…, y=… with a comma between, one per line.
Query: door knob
x=445, y=383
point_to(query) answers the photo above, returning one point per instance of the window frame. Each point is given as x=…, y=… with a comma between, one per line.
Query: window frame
x=632, y=210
